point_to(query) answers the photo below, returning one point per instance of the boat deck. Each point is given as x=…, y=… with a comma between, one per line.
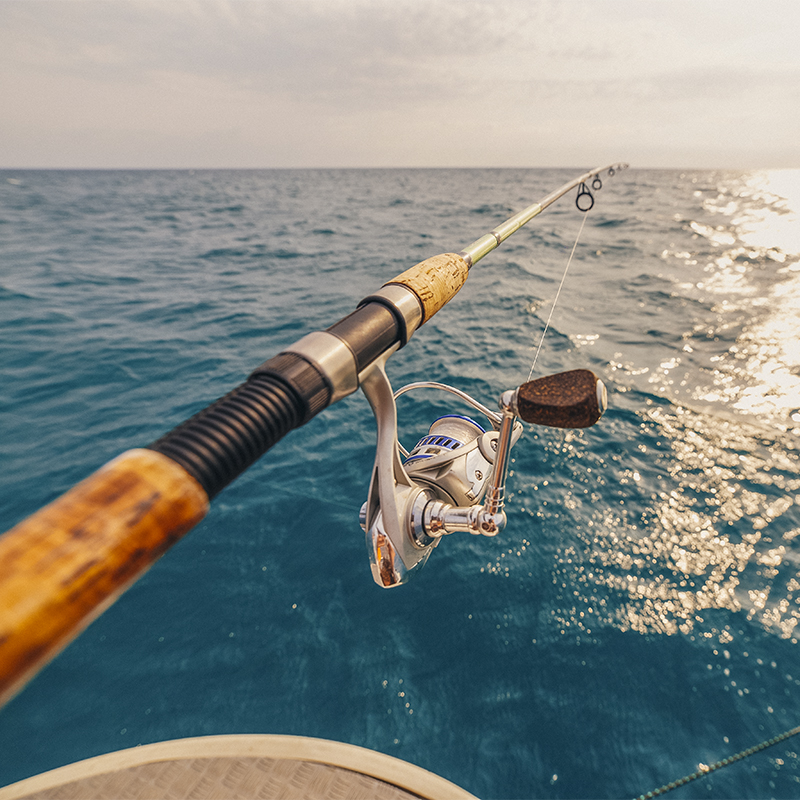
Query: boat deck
x=231, y=767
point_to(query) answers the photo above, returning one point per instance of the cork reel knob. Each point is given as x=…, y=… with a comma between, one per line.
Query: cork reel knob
x=574, y=399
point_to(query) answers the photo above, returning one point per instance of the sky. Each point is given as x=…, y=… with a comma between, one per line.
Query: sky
x=399, y=83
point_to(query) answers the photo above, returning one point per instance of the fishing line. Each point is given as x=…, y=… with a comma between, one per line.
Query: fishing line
x=704, y=770
x=558, y=293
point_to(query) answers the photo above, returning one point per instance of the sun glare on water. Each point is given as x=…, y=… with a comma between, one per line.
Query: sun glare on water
x=760, y=373
x=719, y=529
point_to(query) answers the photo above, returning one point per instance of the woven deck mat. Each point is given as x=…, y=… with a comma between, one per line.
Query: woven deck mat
x=227, y=779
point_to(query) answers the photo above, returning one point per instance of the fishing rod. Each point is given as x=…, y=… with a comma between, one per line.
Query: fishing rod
x=65, y=564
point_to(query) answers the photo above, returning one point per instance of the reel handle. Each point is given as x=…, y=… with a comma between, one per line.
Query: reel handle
x=573, y=399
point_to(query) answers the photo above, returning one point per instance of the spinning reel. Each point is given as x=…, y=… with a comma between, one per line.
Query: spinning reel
x=453, y=480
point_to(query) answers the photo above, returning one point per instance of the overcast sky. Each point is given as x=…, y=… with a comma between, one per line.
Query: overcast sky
x=330, y=83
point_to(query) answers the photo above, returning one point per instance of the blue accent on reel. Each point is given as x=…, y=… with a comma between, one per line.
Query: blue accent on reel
x=436, y=440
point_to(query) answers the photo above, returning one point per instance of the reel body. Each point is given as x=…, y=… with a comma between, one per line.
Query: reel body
x=454, y=460
x=453, y=480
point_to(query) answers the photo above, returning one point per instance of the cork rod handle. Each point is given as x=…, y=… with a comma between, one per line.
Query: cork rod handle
x=435, y=281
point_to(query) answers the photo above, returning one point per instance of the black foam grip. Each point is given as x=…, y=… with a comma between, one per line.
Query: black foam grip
x=221, y=441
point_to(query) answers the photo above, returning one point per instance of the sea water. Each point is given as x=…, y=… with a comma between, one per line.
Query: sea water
x=637, y=617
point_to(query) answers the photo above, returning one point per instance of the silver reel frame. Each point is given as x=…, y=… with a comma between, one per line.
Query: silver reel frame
x=406, y=513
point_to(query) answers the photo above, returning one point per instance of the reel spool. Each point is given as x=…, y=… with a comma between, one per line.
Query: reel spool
x=455, y=459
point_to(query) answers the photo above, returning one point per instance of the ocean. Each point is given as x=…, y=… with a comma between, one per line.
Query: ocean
x=637, y=617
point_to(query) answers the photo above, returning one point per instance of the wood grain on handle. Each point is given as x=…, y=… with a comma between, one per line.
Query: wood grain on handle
x=65, y=564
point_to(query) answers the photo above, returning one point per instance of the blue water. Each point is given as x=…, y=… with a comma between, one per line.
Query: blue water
x=638, y=615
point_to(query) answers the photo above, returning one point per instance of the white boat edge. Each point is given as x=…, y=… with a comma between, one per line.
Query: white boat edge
x=370, y=763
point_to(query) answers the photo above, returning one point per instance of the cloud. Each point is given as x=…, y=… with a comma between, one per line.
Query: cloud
x=408, y=82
